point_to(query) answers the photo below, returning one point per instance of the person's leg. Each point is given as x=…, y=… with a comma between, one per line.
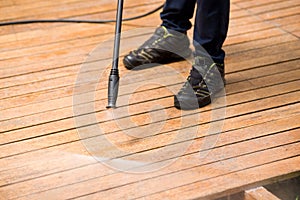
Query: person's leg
x=206, y=78
x=176, y=14
x=211, y=25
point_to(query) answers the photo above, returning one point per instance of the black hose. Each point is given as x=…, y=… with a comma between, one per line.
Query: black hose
x=77, y=21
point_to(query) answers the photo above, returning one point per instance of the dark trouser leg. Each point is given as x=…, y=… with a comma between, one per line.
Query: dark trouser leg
x=211, y=25
x=177, y=13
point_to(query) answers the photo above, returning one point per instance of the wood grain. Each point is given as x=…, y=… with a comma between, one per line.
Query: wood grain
x=46, y=136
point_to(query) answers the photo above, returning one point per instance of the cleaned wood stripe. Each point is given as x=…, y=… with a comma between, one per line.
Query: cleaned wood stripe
x=168, y=181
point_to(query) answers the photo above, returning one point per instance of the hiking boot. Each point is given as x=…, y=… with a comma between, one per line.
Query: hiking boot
x=205, y=80
x=164, y=46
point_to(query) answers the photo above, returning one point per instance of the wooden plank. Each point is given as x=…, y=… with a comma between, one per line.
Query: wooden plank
x=28, y=5
x=107, y=127
x=292, y=27
x=67, y=101
x=263, y=61
x=13, y=3
x=63, y=11
x=32, y=58
x=63, y=124
x=68, y=113
x=216, y=158
x=273, y=7
x=258, y=44
x=262, y=81
x=42, y=75
x=280, y=13
x=166, y=186
x=252, y=3
x=136, y=23
x=42, y=155
x=286, y=20
x=62, y=8
x=284, y=167
x=237, y=136
x=249, y=28
x=7, y=103
x=267, y=51
x=5, y=3
x=60, y=33
x=270, y=56
x=238, y=14
x=58, y=51
x=253, y=36
x=31, y=39
x=48, y=48
x=259, y=193
x=297, y=33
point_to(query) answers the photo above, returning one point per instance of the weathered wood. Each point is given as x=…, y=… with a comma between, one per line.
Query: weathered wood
x=244, y=177
x=190, y=166
x=259, y=193
x=65, y=114
x=42, y=155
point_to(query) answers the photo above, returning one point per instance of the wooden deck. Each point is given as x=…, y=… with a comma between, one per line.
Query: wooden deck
x=51, y=138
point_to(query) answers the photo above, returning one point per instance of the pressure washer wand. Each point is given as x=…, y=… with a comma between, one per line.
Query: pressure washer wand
x=113, y=82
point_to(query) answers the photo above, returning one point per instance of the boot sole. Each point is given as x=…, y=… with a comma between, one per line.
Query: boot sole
x=170, y=59
x=186, y=106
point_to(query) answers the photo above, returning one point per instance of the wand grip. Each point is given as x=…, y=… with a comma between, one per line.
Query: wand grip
x=113, y=88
